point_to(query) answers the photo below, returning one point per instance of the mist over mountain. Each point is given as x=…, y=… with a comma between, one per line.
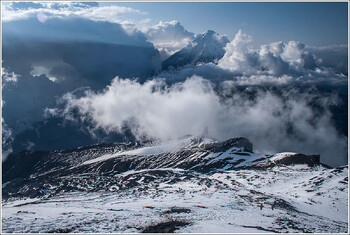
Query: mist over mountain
x=100, y=78
x=42, y=62
x=116, y=117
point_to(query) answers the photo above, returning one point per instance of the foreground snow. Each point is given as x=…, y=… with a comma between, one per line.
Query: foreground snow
x=309, y=200
x=191, y=185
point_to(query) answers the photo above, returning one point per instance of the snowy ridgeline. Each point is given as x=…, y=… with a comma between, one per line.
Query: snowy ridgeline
x=189, y=185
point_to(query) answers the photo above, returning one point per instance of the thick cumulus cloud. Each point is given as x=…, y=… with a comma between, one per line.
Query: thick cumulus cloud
x=168, y=37
x=276, y=63
x=279, y=59
x=239, y=57
x=71, y=49
x=273, y=122
x=42, y=61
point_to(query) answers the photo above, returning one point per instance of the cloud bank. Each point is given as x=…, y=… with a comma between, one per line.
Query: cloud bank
x=276, y=63
x=274, y=123
x=88, y=10
x=42, y=61
x=279, y=58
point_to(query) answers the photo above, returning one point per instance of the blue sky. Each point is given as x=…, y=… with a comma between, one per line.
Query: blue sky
x=316, y=24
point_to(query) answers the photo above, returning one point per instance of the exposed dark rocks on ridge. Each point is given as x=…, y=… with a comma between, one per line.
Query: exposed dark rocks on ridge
x=225, y=145
x=39, y=173
x=165, y=227
x=310, y=160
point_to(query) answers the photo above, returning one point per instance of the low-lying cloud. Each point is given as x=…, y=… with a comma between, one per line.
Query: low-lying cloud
x=274, y=123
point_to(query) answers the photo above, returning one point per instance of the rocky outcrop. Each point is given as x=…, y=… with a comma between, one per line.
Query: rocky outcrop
x=294, y=158
x=99, y=167
x=225, y=145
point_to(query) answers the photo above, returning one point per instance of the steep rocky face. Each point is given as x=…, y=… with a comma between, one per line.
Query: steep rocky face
x=205, y=48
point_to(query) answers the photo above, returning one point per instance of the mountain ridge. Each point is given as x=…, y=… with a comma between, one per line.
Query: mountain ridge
x=179, y=185
x=192, y=153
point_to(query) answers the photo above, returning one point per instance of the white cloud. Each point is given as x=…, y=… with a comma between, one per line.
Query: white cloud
x=264, y=79
x=8, y=77
x=42, y=70
x=46, y=10
x=154, y=110
x=157, y=111
x=168, y=37
x=239, y=55
x=282, y=59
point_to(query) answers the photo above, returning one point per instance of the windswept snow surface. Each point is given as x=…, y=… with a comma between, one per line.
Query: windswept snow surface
x=154, y=149
x=219, y=202
x=196, y=185
x=280, y=156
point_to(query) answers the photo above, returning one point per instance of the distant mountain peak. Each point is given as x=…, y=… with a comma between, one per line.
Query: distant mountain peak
x=207, y=47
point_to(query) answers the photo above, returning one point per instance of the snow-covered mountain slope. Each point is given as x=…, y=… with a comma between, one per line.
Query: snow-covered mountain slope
x=187, y=185
x=205, y=48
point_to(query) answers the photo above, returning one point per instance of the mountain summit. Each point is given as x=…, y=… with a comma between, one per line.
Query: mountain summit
x=207, y=47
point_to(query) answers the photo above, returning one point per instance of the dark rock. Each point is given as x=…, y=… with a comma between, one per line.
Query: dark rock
x=298, y=158
x=165, y=227
x=21, y=165
x=261, y=228
x=61, y=230
x=225, y=145
x=44, y=174
x=177, y=210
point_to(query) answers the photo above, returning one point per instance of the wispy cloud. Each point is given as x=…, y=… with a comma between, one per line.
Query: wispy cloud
x=8, y=77
x=273, y=122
